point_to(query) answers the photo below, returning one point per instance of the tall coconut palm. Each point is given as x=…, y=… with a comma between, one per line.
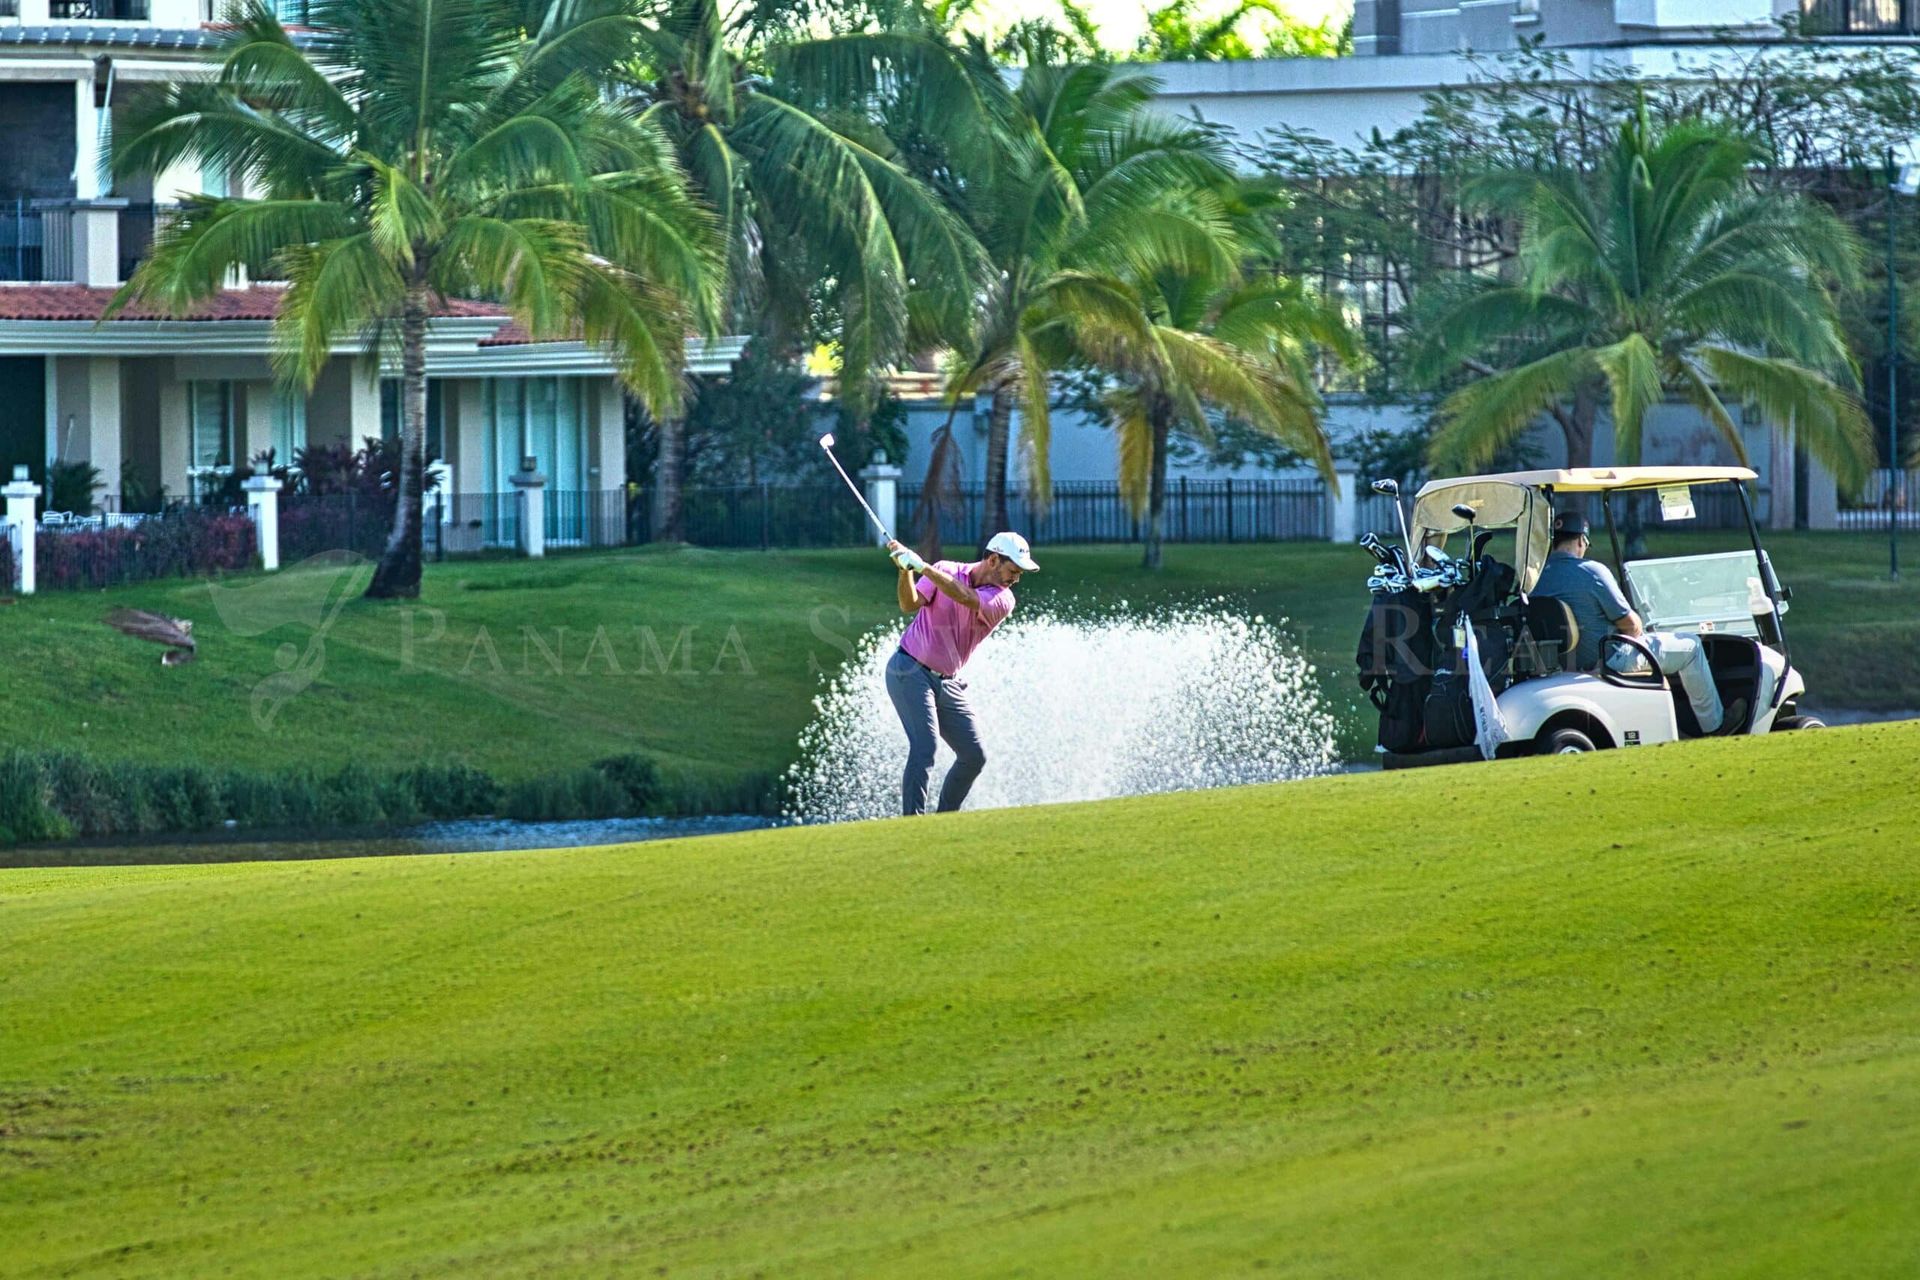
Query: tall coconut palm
x=1242, y=348
x=1088, y=192
x=780, y=133
x=410, y=151
x=1664, y=273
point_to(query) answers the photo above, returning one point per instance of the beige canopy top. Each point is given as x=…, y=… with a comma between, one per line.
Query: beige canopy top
x=1599, y=479
x=1498, y=502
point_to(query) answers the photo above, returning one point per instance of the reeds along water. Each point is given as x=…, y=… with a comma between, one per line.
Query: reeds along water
x=1081, y=708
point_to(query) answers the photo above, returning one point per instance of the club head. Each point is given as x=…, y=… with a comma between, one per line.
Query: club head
x=1465, y=512
x=826, y=441
x=1389, y=487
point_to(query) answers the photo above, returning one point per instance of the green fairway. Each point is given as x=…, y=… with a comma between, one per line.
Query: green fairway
x=477, y=682
x=1651, y=1012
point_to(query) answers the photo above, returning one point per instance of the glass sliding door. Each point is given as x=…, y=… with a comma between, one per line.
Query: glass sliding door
x=543, y=419
x=210, y=419
x=289, y=426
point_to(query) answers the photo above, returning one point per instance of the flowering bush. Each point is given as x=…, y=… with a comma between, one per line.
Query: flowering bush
x=186, y=542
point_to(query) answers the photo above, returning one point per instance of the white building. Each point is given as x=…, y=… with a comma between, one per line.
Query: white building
x=1406, y=49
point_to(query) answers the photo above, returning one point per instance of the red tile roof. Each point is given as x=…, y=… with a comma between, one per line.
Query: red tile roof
x=260, y=302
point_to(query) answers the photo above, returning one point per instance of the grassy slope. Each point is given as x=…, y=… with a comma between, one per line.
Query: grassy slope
x=1854, y=632
x=1652, y=1012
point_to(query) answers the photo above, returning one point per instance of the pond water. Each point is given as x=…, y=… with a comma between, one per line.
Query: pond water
x=471, y=835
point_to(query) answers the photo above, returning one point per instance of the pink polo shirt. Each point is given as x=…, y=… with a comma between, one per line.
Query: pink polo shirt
x=944, y=633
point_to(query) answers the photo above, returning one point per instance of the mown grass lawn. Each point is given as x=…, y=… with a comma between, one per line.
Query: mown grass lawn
x=477, y=681
x=1651, y=1012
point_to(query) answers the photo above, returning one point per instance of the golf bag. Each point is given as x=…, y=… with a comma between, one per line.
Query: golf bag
x=1395, y=658
x=1446, y=716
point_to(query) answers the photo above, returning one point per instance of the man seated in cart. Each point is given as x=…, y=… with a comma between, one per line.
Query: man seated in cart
x=1590, y=591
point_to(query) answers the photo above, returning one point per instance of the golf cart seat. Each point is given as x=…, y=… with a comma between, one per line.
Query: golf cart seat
x=1550, y=637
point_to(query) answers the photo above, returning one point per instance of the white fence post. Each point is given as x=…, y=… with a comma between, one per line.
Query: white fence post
x=1344, y=519
x=530, y=504
x=20, y=497
x=882, y=481
x=263, y=496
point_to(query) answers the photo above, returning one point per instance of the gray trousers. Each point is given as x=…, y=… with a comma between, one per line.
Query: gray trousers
x=930, y=703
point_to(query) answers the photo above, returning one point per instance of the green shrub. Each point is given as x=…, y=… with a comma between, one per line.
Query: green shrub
x=453, y=790
x=26, y=802
x=58, y=796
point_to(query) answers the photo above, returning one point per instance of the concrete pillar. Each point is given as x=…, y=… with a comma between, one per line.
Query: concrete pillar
x=1823, y=497
x=263, y=504
x=531, y=507
x=1343, y=508
x=607, y=445
x=467, y=420
x=174, y=446
x=85, y=414
x=20, y=496
x=882, y=482
x=363, y=402
x=96, y=241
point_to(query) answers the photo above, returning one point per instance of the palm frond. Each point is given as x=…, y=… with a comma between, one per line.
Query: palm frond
x=1478, y=419
x=1826, y=420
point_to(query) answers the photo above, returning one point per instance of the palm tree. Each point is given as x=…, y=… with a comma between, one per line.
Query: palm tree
x=1245, y=348
x=1664, y=273
x=1087, y=193
x=779, y=132
x=411, y=151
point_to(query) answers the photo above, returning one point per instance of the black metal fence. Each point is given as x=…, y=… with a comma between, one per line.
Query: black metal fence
x=1094, y=511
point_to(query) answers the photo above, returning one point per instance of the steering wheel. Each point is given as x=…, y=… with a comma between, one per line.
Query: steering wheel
x=1652, y=678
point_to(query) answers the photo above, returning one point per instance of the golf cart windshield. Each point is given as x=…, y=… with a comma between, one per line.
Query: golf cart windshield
x=1720, y=592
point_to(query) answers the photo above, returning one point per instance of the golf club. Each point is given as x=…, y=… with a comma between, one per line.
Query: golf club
x=826, y=445
x=1391, y=488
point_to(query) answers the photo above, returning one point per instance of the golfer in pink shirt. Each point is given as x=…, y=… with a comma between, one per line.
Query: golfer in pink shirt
x=954, y=607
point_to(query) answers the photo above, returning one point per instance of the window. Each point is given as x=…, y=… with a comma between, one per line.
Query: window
x=1858, y=18
x=390, y=415
x=209, y=428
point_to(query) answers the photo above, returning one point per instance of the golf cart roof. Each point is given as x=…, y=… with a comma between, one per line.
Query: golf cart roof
x=1600, y=479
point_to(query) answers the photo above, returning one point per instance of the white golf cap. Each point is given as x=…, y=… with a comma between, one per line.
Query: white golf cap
x=1015, y=548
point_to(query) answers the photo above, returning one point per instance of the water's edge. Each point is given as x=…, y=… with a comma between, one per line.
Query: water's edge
x=467, y=835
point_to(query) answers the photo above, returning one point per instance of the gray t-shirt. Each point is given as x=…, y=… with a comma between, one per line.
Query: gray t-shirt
x=1589, y=589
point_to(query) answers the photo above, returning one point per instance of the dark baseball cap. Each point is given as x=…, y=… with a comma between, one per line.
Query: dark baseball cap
x=1568, y=524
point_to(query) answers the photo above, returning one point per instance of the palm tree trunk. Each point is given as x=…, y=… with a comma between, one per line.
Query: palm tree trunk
x=1157, y=487
x=398, y=575
x=999, y=431
x=669, y=517
x=1577, y=426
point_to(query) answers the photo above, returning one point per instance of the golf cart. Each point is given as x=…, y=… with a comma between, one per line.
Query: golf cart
x=1464, y=663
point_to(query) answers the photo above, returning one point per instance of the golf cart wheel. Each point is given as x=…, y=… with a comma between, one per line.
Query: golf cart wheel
x=1787, y=724
x=1564, y=742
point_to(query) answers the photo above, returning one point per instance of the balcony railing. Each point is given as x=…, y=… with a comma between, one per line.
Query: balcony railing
x=99, y=10
x=35, y=244
x=1860, y=17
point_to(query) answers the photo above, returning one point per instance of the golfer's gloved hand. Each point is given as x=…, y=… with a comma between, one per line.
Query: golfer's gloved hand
x=907, y=559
